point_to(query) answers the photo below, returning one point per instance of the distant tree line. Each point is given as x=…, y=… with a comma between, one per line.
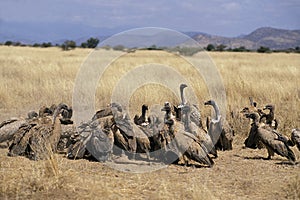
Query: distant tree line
x=186, y=51
x=261, y=49
x=66, y=45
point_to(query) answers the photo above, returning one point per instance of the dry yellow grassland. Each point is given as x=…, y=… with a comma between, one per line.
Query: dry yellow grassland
x=32, y=77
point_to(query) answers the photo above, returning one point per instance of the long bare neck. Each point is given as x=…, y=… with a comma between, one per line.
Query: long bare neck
x=144, y=112
x=183, y=102
x=272, y=113
x=217, y=110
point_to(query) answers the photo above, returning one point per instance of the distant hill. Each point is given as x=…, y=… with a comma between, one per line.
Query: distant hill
x=269, y=37
x=57, y=33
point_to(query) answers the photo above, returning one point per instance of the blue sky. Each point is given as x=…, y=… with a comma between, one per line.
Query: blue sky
x=226, y=17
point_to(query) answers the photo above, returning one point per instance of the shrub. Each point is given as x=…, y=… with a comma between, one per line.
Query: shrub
x=68, y=45
x=263, y=49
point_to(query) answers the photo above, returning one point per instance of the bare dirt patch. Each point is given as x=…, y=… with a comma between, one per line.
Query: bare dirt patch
x=238, y=174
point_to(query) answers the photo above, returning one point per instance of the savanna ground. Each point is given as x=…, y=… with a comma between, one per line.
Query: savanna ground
x=33, y=77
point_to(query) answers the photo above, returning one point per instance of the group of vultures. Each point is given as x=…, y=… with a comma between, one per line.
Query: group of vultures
x=170, y=134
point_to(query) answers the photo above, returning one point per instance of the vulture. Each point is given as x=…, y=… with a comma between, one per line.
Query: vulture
x=202, y=137
x=124, y=134
x=94, y=140
x=183, y=143
x=195, y=115
x=66, y=113
x=38, y=138
x=295, y=138
x=219, y=130
x=8, y=128
x=143, y=133
x=45, y=111
x=103, y=113
x=215, y=124
x=269, y=138
x=270, y=117
x=32, y=115
x=143, y=119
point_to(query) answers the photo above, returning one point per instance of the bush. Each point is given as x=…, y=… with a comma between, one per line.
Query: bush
x=46, y=44
x=90, y=43
x=8, y=43
x=221, y=47
x=36, y=45
x=263, y=49
x=68, y=45
x=83, y=45
x=240, y=49
x=210, y=47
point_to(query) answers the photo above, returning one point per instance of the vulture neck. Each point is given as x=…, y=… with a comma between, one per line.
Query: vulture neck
x=217, y=111
x=187, y=121
x=56, y=114
x=183, y=102
x=271, y=113
x=255, y=121
x=144, y=114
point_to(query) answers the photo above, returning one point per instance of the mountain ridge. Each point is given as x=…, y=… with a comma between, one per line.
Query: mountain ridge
x=274, y=38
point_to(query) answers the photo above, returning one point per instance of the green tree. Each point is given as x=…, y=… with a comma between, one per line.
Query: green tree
x=68, y=45
x=92, y=42
x=221, y=47
x=8, y=43
x=84, y=45
x=263, y=49
x=36, y=45
x=241, y=49
x=210, y=47
x=46, y=44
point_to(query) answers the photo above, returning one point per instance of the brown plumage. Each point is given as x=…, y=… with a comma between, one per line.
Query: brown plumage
x=183, y=143
x=45, y=111
x=94, y=140
x=143, y=133
x=123, y=125
x=66, y=114
x=269, y=138
x=38, y=138
x=202, y=136
x=21, y=138
x=103, y=113
x=295, y=138
x=9, y=127
x=270, y=117
x=68, y=131
x=32, y=115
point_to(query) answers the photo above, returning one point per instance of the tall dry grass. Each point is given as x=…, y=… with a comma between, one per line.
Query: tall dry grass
x=32, y=77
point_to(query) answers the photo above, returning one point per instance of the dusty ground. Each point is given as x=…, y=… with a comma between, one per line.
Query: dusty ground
x=238, y=174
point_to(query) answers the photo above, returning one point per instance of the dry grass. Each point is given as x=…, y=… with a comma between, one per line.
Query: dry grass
x=32, y=77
